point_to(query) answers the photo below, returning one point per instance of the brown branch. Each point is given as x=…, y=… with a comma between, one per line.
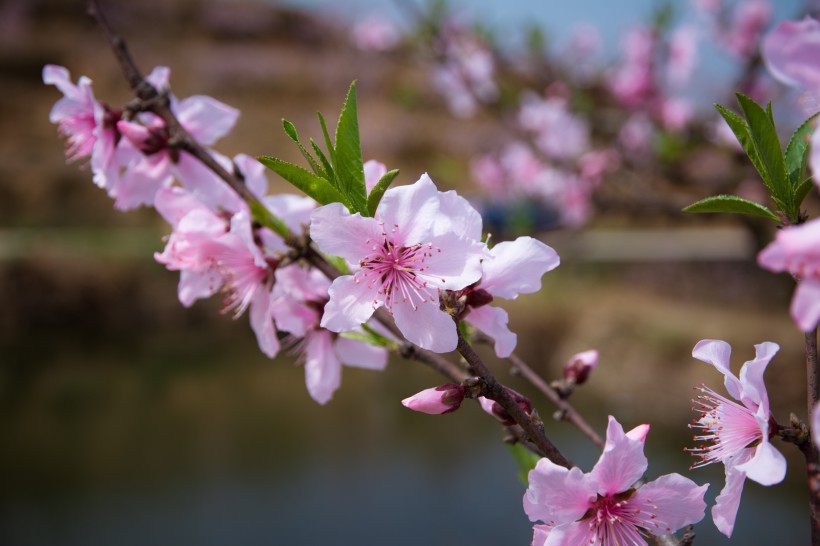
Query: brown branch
x=496, y=391
x=809, y=448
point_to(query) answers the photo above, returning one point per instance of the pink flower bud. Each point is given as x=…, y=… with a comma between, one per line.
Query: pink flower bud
x=442, y=399
x=578, y=368
x=496, y=410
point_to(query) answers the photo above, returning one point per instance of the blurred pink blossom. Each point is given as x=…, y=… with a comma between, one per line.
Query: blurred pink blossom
x=374, y=33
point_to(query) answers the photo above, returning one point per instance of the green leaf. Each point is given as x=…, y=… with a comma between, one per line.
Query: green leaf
x=348, y=165
x=338, y=263
x=802, y=190
x=744, y=137
x=731, y=204
x=265, y=217
x=328, y=167
x=315, y=186
x=768, y=147
x=378, y=191
x=331, y=150
x=797, y=154
x=290, y=130
x=369, y=335
x=524, y=459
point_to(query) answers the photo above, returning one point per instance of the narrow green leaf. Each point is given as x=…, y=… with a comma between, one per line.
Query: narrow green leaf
x=768, y=147
x=348, y=165
x=802, y=190
x=328, y=167
x=797, y=154
x=338, y=263
x=290, y=130
x=314, y=186
x=741, y=130
x=769, y=112
x=524, y=459
x=331, y=150
x=378, y=191
x=731, y=204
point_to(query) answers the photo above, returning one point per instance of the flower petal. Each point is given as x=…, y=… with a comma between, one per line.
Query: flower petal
x=792, y=53
x=195, y=285
x=262, y=322
x=351, y=304
x=805, y=306
x=676, y=501
x=373, y=171
x=360, y=354
x=461, y=217
x=493, y=322
x=517, y=267
x=767, y=466
x=427, y=326
x=454, y=262
x=751, y=376
x=206, y=118
x=718, y=353
x=724, y=512
x=621, y=464
x=339, y=233
x=412, y=210
x=323, y=371
x=557, y=495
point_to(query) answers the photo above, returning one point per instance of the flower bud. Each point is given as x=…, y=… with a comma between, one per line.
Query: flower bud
x=497, y=410
x=578, y=368
x=442, y=399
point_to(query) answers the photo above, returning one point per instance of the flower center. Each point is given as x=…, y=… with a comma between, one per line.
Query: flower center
x=728, y=428
x=622, y=519
x=398, y=272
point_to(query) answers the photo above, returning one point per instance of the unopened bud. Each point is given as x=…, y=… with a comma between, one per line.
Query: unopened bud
x=497, y=410
x=578, y=368
x=442, y=399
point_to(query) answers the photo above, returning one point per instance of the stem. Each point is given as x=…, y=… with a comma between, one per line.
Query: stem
x=810, y=448
x=497, y=392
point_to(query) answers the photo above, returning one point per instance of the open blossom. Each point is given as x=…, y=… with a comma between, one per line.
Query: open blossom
x=299, y=295
x=88, y=125
x=736, y=432
x=796, y=250
x=406, y=254
x=603, y=507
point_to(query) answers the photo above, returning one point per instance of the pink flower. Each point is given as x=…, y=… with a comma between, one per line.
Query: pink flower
x=736, y=434
x=436, y=401
x=796, y=250
x=374, y=34
x=154, y=164
x=603, y=507
x=514, y=267
x=748, y=22
x=298, y=298
x=88, y=125
x=406, y=255
x=683, y=55
x=373, y=171
x=558, y=132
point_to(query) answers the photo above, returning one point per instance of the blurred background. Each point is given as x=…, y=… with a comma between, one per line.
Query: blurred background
x=127, y=419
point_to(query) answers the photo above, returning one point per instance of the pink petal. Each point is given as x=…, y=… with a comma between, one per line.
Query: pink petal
x=206, y=185
x=427, y=326
x=456, y=265
x=621, y=464
x=373, y=171
x=814, y=156
x=724, y=512
x=460, y=216
x=751, y=376
x=805, y=306
x=412, y=210
x=174, y=204
x=557, y=495
x=540, y=534
x=141, y=181
x=351, y=304
x=792, y=53
x=194, y=285
x=253, y=173
x=262, y=322
x=517, y=267
x=294, y=210
x=576, y=533
x=493, y=322
x=677, y=502
x=323, y=371
x=767, y=466
x=339, y=233
x=638, y=433
x=436, y=401
x=360, y=354
x=206, y=118
x=718, y=353
x=159, y=78
x=815, y=425
x=60, y=77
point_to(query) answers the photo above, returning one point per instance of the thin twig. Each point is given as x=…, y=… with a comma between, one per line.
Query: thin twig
x=497, y=392
x=809, y=448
